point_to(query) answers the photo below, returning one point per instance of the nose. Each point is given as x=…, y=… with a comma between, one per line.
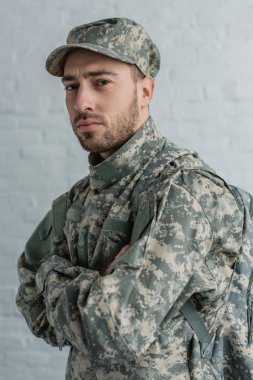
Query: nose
x=84, y=100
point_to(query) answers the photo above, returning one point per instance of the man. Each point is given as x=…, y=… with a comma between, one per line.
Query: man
x=109, y=269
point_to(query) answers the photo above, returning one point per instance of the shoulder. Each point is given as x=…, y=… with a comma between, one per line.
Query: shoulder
x=202, y=184
x=183, y=169
x=196, y=183
x=180, y=176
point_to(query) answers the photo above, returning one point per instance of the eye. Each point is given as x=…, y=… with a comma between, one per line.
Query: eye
x=102, y=82
x=71, y=87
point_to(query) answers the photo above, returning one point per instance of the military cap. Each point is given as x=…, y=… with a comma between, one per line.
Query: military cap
x=118, y=38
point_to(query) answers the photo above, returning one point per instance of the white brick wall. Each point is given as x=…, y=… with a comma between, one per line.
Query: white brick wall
x=204, y=100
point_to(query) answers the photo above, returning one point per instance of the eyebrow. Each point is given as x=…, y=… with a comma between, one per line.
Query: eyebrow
x=67, y=78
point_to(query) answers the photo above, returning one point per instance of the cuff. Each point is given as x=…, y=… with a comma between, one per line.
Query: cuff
x=50, y=264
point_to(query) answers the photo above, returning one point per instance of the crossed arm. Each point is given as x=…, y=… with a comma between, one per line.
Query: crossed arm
x=118, y=316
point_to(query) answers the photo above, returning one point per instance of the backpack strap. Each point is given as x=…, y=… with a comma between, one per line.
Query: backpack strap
x=197, y=324
x=59, y=211
x=246, y=200
x=143, y=218
x=243, y=199
x=40, y=244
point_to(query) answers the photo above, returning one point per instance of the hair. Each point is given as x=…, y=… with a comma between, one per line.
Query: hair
x=136, y=73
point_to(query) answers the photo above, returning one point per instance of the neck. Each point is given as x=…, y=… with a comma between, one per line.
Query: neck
x=142, y=119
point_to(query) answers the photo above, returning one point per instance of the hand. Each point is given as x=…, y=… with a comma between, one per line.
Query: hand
x=116, y=259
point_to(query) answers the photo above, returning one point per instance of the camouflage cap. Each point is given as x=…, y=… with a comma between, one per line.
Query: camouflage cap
x=118, y=38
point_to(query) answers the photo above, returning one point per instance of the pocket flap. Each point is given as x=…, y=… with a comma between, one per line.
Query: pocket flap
x=117, y=226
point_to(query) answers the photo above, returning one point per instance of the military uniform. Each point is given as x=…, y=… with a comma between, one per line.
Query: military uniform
x=184, y=232
x=130, y=316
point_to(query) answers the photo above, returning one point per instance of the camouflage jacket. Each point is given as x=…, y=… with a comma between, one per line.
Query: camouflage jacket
x=183, y=228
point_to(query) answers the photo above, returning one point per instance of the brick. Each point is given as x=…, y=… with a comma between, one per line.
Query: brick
x=203, y=100
x=7, y=301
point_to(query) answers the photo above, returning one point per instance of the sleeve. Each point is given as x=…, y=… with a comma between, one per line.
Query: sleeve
x=31, y=304
x=42, y=243
x=117, y=317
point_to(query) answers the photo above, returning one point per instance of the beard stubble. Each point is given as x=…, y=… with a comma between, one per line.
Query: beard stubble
x=115, y=135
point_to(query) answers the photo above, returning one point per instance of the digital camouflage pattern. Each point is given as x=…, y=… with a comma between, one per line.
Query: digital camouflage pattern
x=184, y=231
x=118, y=38
x=235, y=338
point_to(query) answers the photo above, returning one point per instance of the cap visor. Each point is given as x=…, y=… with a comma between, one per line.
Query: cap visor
x=55, y=61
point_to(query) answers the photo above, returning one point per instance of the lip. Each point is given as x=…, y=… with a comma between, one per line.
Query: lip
x=88, y=125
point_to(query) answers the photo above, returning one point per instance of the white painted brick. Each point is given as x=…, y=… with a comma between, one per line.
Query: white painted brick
x=203, y=100
x=7, y=298
x=185, y=92
x=213, y=91
x=244, y=91
x=200, y=110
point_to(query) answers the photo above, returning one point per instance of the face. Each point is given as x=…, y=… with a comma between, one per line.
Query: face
x=104, y=102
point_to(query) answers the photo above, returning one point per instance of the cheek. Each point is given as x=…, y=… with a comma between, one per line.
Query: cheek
x=118, y=103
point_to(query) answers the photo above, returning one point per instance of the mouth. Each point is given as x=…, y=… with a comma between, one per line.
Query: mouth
x=85, y=126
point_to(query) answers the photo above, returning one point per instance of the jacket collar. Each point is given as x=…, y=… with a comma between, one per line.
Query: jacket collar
x=128, y=159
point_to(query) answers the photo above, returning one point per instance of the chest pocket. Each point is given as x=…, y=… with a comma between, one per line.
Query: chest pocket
x=115, y=234
x=96, y=248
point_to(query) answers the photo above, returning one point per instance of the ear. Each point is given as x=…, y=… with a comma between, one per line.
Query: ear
x=146, y=91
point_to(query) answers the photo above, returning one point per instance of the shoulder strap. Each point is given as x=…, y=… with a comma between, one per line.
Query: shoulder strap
x=59, y=211
x=40, y=243
x=243, y=199
x=197, y=324
x=143, y=218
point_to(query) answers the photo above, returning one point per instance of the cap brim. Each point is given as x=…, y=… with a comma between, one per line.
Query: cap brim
x=56, y=59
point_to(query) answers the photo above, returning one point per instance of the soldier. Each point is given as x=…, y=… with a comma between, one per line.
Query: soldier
x=109, y=269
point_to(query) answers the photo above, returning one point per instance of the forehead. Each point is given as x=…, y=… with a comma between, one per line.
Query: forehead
x=82, y=58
